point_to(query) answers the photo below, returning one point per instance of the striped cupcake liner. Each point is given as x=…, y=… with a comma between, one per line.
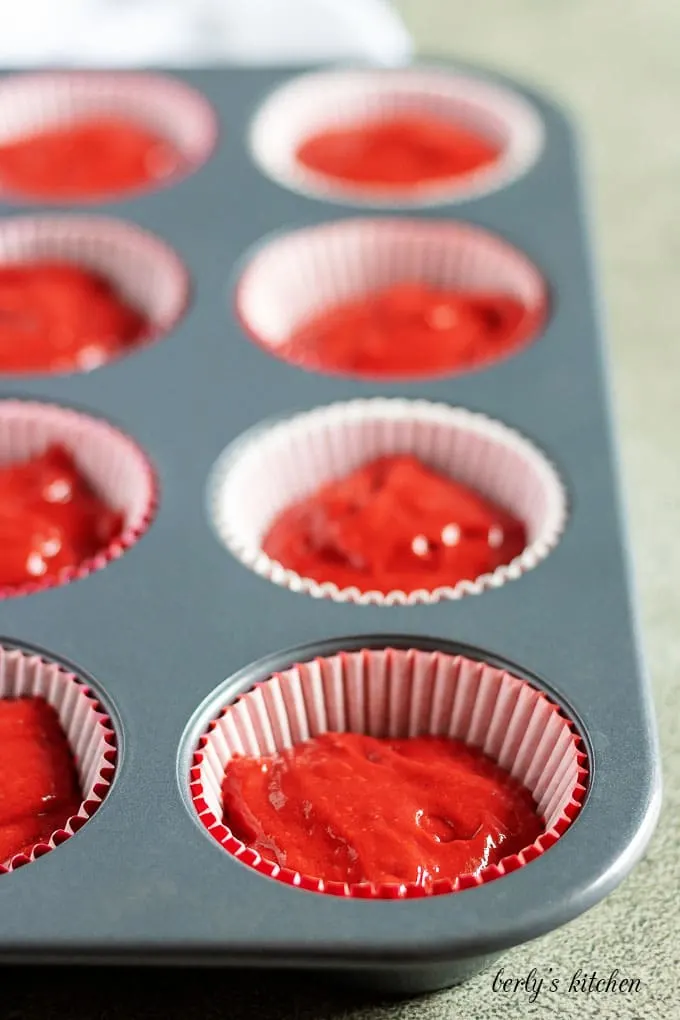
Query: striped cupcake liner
x=316, y=102
x=87, y=728
x=397, y=693
x=146, y=273
x=274, y=466
x=33, y=102
x=295, y=277
x=118, y=471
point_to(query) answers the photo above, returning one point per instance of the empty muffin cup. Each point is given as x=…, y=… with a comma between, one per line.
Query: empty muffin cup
x=275, y=466
x=489, y=116
x=143, y=277
x=84, y=136
x=397, y=693
x=86, y=726
x=391, y=299
x=117, y=474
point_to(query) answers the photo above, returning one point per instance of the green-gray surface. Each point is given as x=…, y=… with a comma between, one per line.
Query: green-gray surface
x=617, y=65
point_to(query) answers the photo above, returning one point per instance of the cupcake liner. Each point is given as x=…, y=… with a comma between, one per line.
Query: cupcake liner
x=171, y=109
x=274, y=466
x=116, y=468
x=144, y=271
x=399, y=693
x=323, y=101
x=88, y=730
x=296, y=276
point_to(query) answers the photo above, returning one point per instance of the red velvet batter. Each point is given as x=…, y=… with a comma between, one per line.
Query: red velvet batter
x=55, y=316
x=403, y=150
x=39, y=790
x=50, y=518
x=408, y=329
x=394, y=525
x=351, y=808
x=87, y=158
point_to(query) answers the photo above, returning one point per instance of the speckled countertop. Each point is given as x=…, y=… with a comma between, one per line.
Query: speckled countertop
x=616, y=64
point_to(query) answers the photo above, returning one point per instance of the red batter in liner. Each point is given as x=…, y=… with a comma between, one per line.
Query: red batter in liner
x=399, y=151
x=394, y=524
x=39, y=788
x=347, y=807
x=50, y=518
x=59, y=317
x=87, y=158
x=408, y=329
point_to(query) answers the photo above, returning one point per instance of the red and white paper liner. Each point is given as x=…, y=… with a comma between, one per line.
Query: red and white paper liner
x=272, y=467
x=87, y=727
x=30, y=103
x=145, y=271
x=297, y=276
x=399, y=693
x=329, y=100
x=116, y=468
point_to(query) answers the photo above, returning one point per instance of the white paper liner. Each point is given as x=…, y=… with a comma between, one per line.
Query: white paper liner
x=323, y=101
x=88, y=731
x=274, y=466
x=296, y=276
x=171, y=109
x=398, y=693
x=146, y=273
x=118, y=471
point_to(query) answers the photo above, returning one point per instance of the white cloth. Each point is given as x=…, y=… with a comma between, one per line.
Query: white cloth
x=129, y=33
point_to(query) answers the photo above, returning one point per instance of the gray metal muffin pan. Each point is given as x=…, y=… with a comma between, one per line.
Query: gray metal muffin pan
x=158, y=630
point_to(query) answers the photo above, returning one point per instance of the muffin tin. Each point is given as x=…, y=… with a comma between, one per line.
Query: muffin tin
x=154, y=632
